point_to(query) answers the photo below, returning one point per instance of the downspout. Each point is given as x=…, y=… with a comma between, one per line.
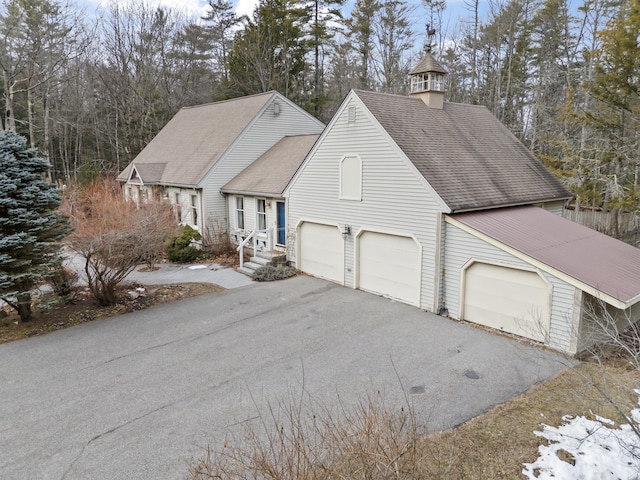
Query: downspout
x=439, y=271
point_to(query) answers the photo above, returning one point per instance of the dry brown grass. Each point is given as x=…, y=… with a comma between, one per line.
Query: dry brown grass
x=375, y=442
x=494, y=445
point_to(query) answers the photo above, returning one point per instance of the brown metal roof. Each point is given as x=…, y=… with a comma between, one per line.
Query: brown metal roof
x=470, y=159
x=272, y=171
x=428, y=64
x=196, y=138
x=592, y=258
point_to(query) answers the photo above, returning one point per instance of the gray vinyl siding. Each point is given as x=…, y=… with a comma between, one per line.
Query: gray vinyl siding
x=557, y=207
x=394, y=198
x=601, y=321
x=462, y=247
x=265, y=132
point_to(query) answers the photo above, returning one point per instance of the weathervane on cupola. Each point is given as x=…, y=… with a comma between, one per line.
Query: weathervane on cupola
x=427, y=78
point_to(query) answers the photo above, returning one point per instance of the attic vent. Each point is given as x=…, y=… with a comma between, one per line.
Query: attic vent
x=352, y=114
x=276, y=109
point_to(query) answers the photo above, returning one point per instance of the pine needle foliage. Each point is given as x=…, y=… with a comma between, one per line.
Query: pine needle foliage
x=30, y=227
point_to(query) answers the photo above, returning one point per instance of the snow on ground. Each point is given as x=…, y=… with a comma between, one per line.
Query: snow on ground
x=599, y=449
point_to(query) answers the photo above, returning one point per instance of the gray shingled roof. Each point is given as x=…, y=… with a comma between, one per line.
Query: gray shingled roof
x=196, y=138
x=595, y=259
x=470, y=159
x=150, y=172
x=272, y=171
x=427, y=64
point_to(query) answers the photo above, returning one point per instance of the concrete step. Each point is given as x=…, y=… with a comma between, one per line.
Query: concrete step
x=252, y=265
x=246, y=271
x=260, y=261
x=274, y=257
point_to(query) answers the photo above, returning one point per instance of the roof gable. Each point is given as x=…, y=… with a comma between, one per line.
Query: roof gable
x=610, y=268
x=272, y=171
x=146, y=172
x=353, y=100
x=471, y=160
x=196, y=138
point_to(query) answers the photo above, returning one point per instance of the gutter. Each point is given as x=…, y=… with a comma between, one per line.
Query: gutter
x=508, y=205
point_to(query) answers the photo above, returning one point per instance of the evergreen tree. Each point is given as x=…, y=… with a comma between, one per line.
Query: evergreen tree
x=324, y=14
x=29, y=225
x=614, y=117
x=270, y=53
x=361, y=29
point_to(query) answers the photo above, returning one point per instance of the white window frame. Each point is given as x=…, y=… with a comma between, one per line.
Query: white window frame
x=419, y=83
x=177, y=206
x=436, y=81
x=261, y=214
x=239, y=213
x=194, y=210
x=343, y=181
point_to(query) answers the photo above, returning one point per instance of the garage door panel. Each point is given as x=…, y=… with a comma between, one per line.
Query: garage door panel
x=509, y=299
x=321, y=251
x=389, y=265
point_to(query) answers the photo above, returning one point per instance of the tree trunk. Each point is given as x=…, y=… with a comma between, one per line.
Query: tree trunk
x=31, y=118
x=10, y=121
x=23, y=306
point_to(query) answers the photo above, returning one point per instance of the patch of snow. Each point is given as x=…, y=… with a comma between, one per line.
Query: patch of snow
x=197, y=267
x=605, y=420
x=598, y=449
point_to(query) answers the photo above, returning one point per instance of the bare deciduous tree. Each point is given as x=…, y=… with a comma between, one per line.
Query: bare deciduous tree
x=114, y=236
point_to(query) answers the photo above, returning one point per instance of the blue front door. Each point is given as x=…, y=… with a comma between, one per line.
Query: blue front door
x=281, y=227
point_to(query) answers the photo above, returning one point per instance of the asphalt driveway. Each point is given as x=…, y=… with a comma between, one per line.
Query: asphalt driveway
x=139, y=395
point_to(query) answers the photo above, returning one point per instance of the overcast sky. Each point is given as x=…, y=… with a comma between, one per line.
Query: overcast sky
x=455, y=9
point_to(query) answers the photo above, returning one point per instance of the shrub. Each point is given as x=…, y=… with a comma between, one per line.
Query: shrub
x=216, y=238
x=179, y=248
x=303, y=440
x=62, y=280
x=114, y=235
x=269, y=273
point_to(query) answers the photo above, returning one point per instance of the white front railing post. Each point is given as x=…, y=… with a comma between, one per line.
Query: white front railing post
x=243, y=243
x=255, y=245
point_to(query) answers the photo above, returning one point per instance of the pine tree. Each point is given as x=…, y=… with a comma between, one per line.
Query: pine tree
x=29, y=225
x=270, y=53
x=615, y=115
x=361, y=30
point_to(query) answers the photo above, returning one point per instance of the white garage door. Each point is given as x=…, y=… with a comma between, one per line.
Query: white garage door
x=509, y=299
x=321, y=251
x=389, y=265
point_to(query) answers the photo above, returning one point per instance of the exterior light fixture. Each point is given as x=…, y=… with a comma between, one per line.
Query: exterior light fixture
x=346, y=231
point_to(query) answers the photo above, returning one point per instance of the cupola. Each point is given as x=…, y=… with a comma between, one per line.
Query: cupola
x=427, y=81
